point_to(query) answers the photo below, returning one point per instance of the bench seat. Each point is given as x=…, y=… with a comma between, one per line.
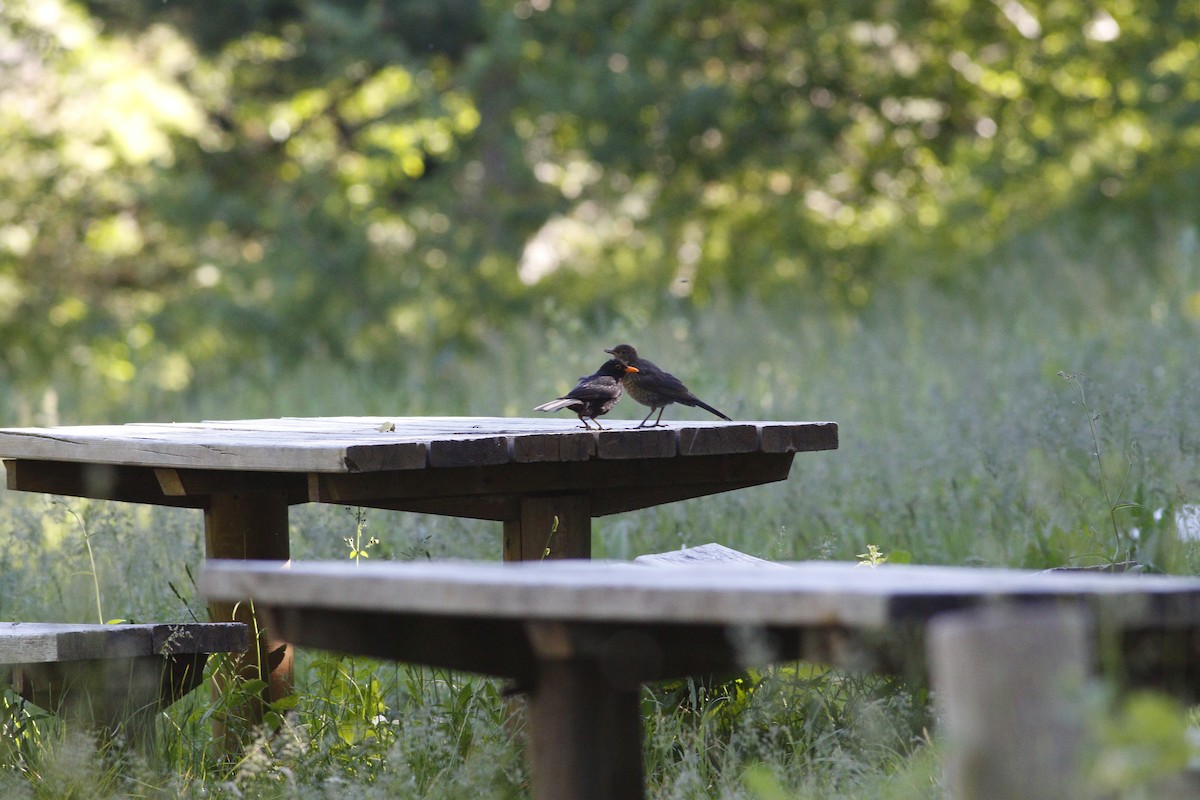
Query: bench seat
x=111, y=676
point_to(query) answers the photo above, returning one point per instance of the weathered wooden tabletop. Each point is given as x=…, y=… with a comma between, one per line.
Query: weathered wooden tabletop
x=509, y=469
x=372, y=444
x=544, y=478
x=581, y=637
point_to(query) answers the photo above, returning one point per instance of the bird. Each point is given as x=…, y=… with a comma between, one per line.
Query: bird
x=654, y=387
x=595, y=394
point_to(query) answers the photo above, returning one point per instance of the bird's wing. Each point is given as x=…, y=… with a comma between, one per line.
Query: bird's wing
x=669, y=385
x=596, y=389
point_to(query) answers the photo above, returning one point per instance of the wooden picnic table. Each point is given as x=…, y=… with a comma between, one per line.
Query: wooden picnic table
x=582, y=637
x=543, y=478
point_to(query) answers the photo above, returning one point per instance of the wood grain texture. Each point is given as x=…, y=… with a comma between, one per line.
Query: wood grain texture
x=585, y=735
x=369, y=444
x=494, y=492
x=252, y=525
x=809, y=593
x=714, y=439
x=1011, y=688
x=558, y=527
x=786, y=438
x=580, y=637
x=37, y=642
x=703, y=554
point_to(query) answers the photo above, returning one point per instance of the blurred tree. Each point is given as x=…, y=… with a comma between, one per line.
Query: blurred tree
x=192, y=183
x=801, y=147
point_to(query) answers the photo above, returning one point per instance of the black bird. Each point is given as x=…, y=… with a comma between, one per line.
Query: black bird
x=653, y=387
x=595, y=395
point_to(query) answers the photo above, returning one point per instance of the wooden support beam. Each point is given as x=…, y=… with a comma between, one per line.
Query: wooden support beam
x=204, y=482
x=585, y=719
x=99, y=481
x=1009, y=681
x=554, y=526
x=615, y=485
x=252, y=526
x=586, y=735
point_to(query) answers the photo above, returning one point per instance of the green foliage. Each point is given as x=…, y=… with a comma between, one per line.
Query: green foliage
x=960, y=444
x=1143, y=745
x=193, y=184
x=358, y=548
x=800, y=730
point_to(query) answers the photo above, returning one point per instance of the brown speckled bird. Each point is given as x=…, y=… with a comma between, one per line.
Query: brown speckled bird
x=653, y=387
x=595, y=395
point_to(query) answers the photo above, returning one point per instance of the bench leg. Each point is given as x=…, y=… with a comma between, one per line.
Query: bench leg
x=252, y=525
x=585, y=735
x=528, y=538
x=1009, y=682
x=118, y=695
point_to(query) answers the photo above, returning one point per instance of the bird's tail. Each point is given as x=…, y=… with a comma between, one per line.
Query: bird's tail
x=698, y=402
x=555, y=405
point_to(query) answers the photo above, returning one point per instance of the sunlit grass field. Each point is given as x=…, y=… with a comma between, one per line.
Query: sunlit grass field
x=1041, y=415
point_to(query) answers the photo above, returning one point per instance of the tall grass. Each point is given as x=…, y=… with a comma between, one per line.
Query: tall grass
x=960, y=444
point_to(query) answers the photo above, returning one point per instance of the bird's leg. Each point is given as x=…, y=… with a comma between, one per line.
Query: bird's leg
x=599, y=427
x=658, y=423
x=642, y=424
x=585, y=422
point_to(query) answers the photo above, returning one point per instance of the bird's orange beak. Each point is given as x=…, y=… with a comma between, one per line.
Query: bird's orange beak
x=631, y=369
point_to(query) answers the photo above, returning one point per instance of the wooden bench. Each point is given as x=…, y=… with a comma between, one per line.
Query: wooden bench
x=113, y=677
x=583, y=637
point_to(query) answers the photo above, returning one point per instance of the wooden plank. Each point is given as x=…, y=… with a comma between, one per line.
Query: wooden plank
x=204, y=637
x=381, y=443
x=645, y=443
x=616, y=501
x=496, y=508
x=788, y=438
x=554, y=447
x=246, y=452
x=602, y=502
x=712, y=439
x=613, y=485
x=99, y=481
x=204, y=482
x=373, y=458
x=705, y=553
x=31, y=643
x=809, y=593
x=469, y=451
x=34, y=642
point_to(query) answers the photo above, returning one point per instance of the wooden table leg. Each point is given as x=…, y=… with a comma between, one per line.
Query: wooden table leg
x=536, y=536
x=585, y=734
x=1010, y=682
x=252, y=525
